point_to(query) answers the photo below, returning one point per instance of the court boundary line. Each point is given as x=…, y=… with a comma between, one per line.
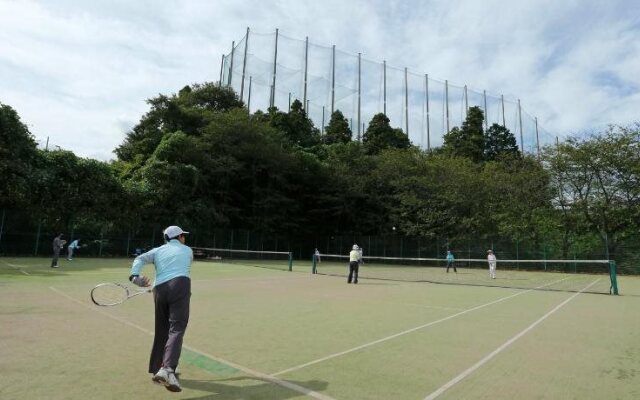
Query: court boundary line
x=16, y=267
x=257, y=374
x=363, y=346
x=506, y=344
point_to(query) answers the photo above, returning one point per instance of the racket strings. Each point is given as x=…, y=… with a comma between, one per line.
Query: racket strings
x=109, y=294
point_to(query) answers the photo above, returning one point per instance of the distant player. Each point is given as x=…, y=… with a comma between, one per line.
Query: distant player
x=451, y=262
x=316, y=260
x=316, y=254
x=71, y=248
x=355, y=256
x=491, y=258
x=58, y=243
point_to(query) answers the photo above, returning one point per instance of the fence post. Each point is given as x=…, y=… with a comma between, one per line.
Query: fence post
x=384, y=246
x=2, y=224
x=438, y=251
x=35, y=251
x=100, y=250
x=128, y=241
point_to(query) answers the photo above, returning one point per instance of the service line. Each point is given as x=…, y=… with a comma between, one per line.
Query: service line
x=497, y=351
x=329, y=357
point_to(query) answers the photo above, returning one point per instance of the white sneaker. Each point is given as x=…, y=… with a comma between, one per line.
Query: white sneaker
x=54, y=266
x=166, y=377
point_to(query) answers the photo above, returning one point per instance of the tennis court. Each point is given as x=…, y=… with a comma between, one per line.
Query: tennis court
x=267, y=333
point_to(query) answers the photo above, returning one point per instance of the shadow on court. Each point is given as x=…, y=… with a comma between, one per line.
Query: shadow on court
x=256, y=388
x=365, y=283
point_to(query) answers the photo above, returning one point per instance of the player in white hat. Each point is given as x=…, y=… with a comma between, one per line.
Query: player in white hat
x=355, y=256
x=171, y=295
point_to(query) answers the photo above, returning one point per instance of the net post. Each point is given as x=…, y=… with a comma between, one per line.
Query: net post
x=614, y=278
x=290, y=261
x=313, y=264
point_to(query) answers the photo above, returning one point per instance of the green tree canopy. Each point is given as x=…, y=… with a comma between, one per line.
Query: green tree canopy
x=17, y=155
x=338, y=130
x=596, y=180
x=188, y=111
x=380, y=135
x=469, y=140
x=499, y=142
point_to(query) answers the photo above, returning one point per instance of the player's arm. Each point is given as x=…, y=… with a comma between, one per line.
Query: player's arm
x=138, y=263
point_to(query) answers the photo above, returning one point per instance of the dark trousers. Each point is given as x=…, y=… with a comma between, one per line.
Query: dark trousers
x=353, y=271
x=56, y=255
x=172, y=315
x=451, y=264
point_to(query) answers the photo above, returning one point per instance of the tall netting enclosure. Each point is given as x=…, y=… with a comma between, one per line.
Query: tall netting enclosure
x=273, y=70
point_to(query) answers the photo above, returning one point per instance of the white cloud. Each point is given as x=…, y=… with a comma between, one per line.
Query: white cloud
x=79, y=72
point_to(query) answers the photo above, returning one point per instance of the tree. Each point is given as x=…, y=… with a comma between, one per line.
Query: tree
x=70, y=188
x=380, y=135
x=188, y=111
x=17, y=154
x=517, y=197
x=295, y=125
x=467, y=141
x=338, y=130
x=433, y=196
x=499, y=142
x=597, y=179
x=354, y=196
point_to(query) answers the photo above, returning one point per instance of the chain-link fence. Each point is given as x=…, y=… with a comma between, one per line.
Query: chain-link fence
x=19, y=237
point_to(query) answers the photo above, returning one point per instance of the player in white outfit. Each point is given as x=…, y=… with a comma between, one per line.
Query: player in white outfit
x=491, y=258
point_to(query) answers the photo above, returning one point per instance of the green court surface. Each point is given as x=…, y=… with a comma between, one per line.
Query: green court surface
x=260, y=333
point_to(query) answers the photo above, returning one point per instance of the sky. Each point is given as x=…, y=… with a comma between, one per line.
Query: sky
x=79, y=72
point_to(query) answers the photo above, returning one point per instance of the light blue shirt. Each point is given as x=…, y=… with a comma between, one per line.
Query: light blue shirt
x=171, y=261
x=449, y=257
x=74, y=244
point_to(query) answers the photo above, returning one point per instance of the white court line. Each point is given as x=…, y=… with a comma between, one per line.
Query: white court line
x=331, y=296
x=269, y=378
x=506, y=344
x=427, y=306
x=409, y=330
x=17, y=267
x=279, y=278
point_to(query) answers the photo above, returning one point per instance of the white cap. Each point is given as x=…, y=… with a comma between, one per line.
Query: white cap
x=355, y=247
x=173, y=231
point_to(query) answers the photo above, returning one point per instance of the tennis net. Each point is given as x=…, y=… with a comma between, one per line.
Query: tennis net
x=557, y=275
x=279, y=260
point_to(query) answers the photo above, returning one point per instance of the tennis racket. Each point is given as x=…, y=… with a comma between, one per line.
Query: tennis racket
x=112, y=294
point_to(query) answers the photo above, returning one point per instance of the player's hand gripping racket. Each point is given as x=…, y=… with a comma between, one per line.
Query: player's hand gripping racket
x=112, y=294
